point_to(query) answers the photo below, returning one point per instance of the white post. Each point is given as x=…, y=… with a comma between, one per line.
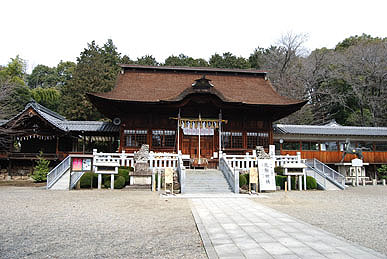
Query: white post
x=220, y=131
x=158, y=180
x=99, y=181
x=357, y=175
x=178, y=132
x=112, y=181
x=304, y=171
x=200, y=125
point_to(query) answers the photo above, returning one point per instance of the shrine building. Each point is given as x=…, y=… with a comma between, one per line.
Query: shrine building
x=199, y=111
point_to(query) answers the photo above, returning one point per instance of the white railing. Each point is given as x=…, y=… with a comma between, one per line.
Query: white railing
x=58, y=171
x=181, y=172
x=156, y=160
x=232, y=176
x=287, y=159
x=124, y=159
x=327, y=172
x=163, y=160
x=241, y=163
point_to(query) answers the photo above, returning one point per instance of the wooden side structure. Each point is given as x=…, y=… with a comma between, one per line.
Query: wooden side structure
x=37, y=129
x=326, y=142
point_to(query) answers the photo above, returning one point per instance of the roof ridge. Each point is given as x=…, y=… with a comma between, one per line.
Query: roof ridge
x=44, y=109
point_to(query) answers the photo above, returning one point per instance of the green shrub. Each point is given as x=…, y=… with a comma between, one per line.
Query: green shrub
x=281, y=179
x=311, y=183
x=107, y=183
x=279, y=170
x=119, y=183
x=124, y=172
x=41, y=169
x=85, y=181
x=382, y=172
x=242, y=180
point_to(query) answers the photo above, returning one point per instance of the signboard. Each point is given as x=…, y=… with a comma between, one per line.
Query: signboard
x=77, y=164
x=266, y=175
x=168, y=175
x=81, y=164
x=253, y=175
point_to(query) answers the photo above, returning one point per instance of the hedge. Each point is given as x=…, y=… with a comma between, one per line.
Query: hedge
x=119, y=183
x=242, y=180
x=124, y=172
x=311, y=183
x=281, y=179
x=86, y=179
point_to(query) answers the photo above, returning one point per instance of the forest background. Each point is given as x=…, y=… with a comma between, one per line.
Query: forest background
x=347, y=83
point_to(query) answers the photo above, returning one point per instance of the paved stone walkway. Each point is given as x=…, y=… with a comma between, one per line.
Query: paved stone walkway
x=242, y=228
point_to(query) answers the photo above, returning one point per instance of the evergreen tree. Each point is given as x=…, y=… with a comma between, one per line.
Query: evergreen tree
x=96, y=71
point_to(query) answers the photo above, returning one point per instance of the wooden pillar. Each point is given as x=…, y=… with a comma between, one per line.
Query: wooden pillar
x=220, y=130
x=57, y=146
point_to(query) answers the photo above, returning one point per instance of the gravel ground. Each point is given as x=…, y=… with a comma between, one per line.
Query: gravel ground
x=359, y=214
x=37, y=223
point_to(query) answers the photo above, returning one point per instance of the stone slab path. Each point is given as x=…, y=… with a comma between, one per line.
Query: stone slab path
x=242, y=228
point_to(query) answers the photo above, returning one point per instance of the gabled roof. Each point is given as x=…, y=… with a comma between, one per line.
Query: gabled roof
x=60, y=122
x=330, y=129
x=171, y=84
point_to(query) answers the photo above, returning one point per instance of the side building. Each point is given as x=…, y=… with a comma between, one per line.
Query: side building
x=327, y=143
x=37, y=130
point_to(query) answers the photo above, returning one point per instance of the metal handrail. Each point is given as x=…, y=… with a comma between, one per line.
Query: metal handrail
x=327, y=172
x=57, y=172
x=75, y=176
x=232, y=177
x=181, y=172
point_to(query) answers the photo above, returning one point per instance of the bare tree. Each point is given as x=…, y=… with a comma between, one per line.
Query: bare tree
x=364, y=68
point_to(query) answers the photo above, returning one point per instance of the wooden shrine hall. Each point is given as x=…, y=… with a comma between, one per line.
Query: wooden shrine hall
x=198, y=111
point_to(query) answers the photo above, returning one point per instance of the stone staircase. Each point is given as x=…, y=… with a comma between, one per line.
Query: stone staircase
x=206, y=181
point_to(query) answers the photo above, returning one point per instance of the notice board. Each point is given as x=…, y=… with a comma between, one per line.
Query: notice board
x=266, y=174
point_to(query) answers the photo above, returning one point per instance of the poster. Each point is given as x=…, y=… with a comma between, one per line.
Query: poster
x=266, y=175
x=86, y=164
x=253, y=175
x=77, y=164
x=168, y=175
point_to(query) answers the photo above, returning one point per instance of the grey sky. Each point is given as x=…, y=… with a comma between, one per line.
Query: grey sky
x=45, y=32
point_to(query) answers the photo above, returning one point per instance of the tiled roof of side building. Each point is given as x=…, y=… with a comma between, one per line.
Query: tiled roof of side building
x=330, y=130
x=158, y=84
x=90, y=126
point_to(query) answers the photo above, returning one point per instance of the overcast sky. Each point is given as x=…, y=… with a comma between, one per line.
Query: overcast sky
x=45, y=32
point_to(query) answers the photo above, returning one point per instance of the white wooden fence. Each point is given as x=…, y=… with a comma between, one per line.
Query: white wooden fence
x=156, y=160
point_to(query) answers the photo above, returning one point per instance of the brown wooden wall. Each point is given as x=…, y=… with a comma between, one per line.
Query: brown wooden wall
x=332, y=157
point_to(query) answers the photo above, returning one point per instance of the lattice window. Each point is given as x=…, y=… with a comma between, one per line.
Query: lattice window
x=232, y=139
x=310, y=146
x=135, y=138
x=291, y=146
x=163, y=138
x=257, y=139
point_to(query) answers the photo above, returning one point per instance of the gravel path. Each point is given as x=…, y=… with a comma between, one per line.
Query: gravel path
x=358, y=214
x=38, y=223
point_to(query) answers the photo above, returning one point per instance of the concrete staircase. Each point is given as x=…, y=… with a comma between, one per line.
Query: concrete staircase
x=206, y=181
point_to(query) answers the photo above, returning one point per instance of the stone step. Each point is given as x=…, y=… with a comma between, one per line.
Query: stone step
x=206, y=181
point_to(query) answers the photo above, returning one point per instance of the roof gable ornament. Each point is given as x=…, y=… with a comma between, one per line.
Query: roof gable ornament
x=202, y=83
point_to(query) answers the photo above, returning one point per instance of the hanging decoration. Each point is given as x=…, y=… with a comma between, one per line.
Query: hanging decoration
x=35, y=136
